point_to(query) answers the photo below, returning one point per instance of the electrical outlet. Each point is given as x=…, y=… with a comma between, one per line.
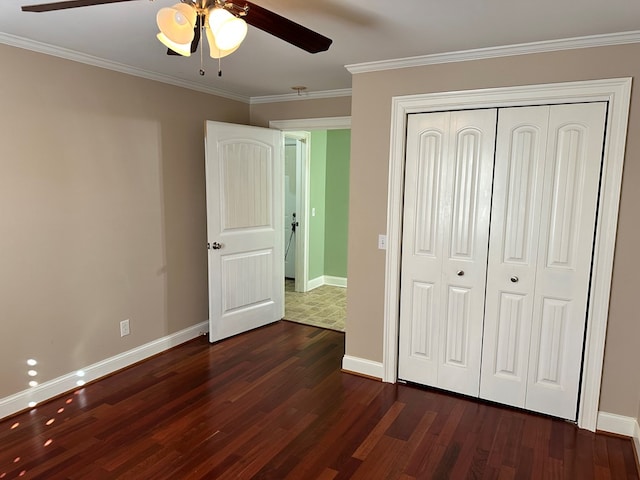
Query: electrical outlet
x=124, y=328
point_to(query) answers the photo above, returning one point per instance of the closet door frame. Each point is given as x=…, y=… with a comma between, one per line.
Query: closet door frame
x=617, y=92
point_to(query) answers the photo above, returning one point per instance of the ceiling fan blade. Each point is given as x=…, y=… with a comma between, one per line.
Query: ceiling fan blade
x=48, y=7
x=194, y=42
x=286, y=30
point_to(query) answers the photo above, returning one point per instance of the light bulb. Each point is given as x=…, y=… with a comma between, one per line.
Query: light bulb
x=180, y=18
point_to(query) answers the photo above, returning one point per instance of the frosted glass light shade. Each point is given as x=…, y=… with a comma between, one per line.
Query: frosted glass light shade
x=231, y=33
x=214, y=51
x=183, y=49
x=228, y=31
x=177, y=23
x=217, y=16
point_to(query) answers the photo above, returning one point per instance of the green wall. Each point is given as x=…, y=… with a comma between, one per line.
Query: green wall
x=337, y=203
x=317, y=176
x=329, y=195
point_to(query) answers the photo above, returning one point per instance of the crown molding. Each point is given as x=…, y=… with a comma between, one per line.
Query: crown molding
x=293, y=97
x=503, y=51
x=325, y=123
x=67, y=54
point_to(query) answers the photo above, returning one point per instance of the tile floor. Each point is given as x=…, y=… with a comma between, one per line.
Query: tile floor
x=324, y=306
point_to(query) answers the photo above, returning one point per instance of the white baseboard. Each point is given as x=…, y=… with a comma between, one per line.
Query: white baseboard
x=362, y=366
x=57, y=386
x=315, y=283
x=620, y=425
x=326, y=280
x=335, y=281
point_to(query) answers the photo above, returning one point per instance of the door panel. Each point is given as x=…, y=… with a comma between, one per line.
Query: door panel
x=572, y=175
x=422, y=338
x=420, y=304
x=513, y=252
x=244, y=217
x=447, y=203
x=468, y=191
x=246, y=168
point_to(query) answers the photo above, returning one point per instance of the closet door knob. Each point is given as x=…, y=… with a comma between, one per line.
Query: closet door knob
x=514, y=279
x=460, y=273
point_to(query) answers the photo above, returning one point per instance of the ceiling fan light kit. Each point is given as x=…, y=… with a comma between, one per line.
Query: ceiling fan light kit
x=223, y=22
x=224, y=30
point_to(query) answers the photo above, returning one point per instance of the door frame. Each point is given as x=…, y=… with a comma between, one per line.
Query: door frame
x=302, y=206
x=292, y=128
x=617, y=92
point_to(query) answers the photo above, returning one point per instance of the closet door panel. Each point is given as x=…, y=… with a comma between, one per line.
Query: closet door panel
x=449, y=165
x=472, y=141
x=513, y=251
x=574, y=158
x=423, y=235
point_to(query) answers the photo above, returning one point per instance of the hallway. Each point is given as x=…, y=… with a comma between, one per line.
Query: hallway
x=324, y=306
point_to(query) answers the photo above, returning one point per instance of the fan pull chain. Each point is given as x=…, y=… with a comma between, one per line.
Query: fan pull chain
x=202, y=35
x=219, y=66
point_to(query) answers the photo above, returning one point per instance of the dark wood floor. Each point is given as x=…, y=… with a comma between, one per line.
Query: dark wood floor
x=273, y=403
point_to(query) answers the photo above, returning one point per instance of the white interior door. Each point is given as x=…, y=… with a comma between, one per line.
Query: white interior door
x=448, y=178
x=548, y=163
x=244, y=172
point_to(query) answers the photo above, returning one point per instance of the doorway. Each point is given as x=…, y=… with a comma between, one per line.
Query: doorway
x=316, y=179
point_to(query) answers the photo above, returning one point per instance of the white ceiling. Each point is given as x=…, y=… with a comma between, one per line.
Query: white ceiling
x=362, y=31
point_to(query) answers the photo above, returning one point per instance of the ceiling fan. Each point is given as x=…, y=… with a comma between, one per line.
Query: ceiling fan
x=223, y=22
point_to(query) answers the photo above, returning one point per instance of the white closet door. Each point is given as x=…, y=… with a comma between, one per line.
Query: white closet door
x=448, y=178
x=513, y=252
x=572, y=175
x=547, y=173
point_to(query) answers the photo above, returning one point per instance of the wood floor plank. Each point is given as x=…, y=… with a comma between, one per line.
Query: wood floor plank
x=372, y=439
x=274, y=404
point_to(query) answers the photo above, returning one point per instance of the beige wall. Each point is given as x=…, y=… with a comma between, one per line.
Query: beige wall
x=371, y=115
x=102, y=205
x=262, y=113
x=102, y=212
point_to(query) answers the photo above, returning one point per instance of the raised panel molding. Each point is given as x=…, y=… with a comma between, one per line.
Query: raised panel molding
x=239, y=272
x=509, y=332
x=429, y=160
x=522, y=155
x=552, y=334
x=422, y=336
x=466, y=180
x=457, y=326
x=566, y=196
x=248, y=165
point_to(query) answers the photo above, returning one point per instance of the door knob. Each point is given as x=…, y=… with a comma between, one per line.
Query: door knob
x=514, y=279
x=216, y=246
x=460, y=273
